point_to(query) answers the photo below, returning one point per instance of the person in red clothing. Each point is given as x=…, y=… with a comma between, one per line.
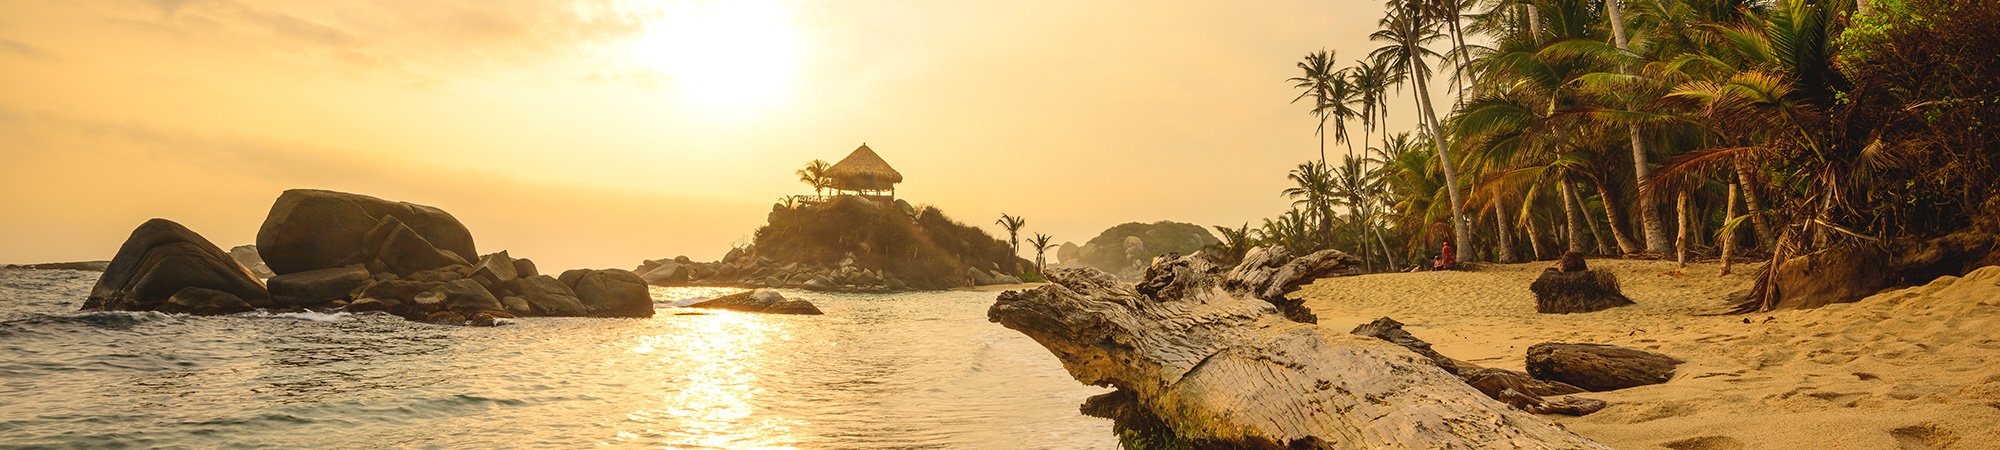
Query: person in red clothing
x=1446, y=258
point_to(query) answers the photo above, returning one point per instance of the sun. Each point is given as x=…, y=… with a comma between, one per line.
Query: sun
x=726, y=56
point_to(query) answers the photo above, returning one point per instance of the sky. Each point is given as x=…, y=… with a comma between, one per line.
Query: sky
x=598, y=133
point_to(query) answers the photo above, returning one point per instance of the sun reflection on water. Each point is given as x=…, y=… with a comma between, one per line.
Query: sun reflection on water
x=706, y=394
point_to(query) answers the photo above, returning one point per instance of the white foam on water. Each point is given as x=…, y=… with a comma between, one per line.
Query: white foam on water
x=313, y=316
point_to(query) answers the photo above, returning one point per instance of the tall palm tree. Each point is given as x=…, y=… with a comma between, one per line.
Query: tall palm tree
x=1317, y=83
x=1013, y=226
x=1407, y=33
x=1649, y=211
x=1042, y=243
x=814, y=174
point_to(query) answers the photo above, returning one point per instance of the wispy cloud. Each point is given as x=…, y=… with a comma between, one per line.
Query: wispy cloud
x=26, y=50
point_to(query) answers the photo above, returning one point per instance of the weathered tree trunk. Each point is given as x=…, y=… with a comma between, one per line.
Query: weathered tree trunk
x=1387, y=254
x=1614, y=217
x=1506, y=253
x=1218, y=364
x=1767, y=238
x=1572, y=211
x=1729, y=233
x=1681, y=223
x=1534, y=238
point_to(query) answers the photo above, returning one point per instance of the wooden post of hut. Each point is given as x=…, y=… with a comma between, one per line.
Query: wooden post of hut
x=864, y=174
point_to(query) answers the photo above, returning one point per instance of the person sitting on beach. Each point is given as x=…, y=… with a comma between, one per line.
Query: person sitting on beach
x=1447, y=258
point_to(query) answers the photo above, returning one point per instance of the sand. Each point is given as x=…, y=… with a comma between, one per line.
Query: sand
x=1911, y=368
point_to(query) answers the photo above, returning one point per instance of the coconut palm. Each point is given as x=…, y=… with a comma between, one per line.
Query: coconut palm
x=1236, y=241
x=1042, y=243
x=814, y=174
x=1313, y=190
x=1406, y=33
x=1317, y=83
x=1013, y=226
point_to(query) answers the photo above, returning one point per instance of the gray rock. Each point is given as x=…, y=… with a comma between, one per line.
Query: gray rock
x=979, y=277
x=365, y=305
x=317, y=287
x=610, y=292
x=525, y=268
x=495, y=268
x=667, y=273
x=517, y=305
x=402, y=250
x=204, y=302
x=467, y=296
x=159, y=260
x=760, y=301
x=548, y=297
x=315, y=229
x=248, y=257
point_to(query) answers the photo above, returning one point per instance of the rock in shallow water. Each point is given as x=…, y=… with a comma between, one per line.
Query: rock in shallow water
x=159, y=260
x=311, y=229
x=760, y=301
x=610, y=292
x=204, y=302
x=317, y=287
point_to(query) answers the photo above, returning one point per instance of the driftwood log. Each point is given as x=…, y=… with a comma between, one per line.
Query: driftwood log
x=1559, y=292
x=1515, y=388
x=1599, y=367
x=1227, y=368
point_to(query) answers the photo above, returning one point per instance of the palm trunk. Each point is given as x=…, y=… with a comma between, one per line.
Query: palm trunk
x=1534, y=236
x=1766, y=238
x=1506, y=254
x=1681, y=228
x=1649, y=212
x=1535, y=23
x=1729, y=234
x=1614, y=218
x=1459, y=230
x=1387, y=254
x=1573, y=212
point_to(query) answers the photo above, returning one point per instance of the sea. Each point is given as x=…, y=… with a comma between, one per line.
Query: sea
x=920, y=370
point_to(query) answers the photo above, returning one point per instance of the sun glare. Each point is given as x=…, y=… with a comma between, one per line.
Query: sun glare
x=726, y=56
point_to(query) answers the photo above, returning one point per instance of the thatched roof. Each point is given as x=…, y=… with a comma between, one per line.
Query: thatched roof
x=863, y=169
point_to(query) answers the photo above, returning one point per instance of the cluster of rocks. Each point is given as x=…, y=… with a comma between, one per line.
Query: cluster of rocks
x=332, y=250
x=742, y=267
x=760, y=301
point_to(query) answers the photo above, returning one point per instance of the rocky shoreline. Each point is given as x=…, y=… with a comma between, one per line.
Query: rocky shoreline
x=744, y=269
x=334, y=251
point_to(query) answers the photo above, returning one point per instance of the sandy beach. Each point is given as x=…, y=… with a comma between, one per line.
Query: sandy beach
x=1914, y=368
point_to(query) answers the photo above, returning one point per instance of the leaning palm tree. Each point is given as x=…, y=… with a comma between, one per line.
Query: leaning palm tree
x=1317, y=83
x=814, y=174
x=1649, y=212
x=1042, y=243
x=1013, y=225
x=1406, y=33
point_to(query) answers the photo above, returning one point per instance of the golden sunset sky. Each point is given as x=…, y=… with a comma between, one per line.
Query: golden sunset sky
x=599, y=133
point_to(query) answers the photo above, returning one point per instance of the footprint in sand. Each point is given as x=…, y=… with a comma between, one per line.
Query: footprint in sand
x=1923, y=437
x=1706, y=443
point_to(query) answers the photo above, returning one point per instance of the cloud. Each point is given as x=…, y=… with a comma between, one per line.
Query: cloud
x=26, y=50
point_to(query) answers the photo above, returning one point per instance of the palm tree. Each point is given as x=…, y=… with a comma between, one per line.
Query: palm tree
x=1042, y=243
x=1236, y=241
x=1649, y=211
x=814, y=174
x=1407, y=33
x=1013, y=226
x=1313, y=190
x=1317, y=82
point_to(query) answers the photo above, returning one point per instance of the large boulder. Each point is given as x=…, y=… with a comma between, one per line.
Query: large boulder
x=396, y=248
x=465, y=297
x=314, y=229
x=316, y=287
x=547, y=296
x=159, y=260
x=247, y=256
x=495, y=268
x=1598, y=367
x=610, y=292
x=760, y=301
x=667, y=273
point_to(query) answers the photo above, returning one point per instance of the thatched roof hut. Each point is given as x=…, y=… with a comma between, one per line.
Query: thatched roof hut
x=865, y=172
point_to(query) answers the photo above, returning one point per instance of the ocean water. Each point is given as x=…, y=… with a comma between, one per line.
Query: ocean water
x=902, y=371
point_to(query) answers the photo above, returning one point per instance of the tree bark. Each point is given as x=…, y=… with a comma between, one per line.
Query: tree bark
x=1649, y=211
x=1766, y=237
x=1534, y=237
x=1220, y=366
x=1572, y=210
x=1387, y=254
x=1729, y=234
x=1614, y=218
x=1506, y=244
x=1681, y=229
